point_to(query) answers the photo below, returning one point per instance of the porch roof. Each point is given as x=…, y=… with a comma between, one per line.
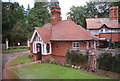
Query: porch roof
x=44, y=32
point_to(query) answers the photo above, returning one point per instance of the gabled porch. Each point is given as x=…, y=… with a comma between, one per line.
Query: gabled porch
x=38, y=47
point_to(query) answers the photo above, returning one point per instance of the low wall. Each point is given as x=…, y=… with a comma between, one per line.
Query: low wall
x=2, y=46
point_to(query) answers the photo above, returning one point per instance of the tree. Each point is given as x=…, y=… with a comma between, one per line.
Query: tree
x=37, y=16
x=28, y=9
x=18, y=26
x=77, y=15
x=90, y=10
x=12, y=13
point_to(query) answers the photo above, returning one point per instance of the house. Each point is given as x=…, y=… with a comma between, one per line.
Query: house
x=55, y=38
x=105, y=28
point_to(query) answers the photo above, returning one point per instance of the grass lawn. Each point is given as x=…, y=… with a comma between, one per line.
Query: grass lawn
x=49, y=71
x=19, y=60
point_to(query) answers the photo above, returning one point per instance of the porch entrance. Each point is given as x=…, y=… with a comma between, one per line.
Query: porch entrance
x=39, y=51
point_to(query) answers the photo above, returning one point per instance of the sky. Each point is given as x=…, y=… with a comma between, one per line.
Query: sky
x=65, y=5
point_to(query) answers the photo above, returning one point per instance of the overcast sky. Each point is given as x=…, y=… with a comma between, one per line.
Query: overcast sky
x=64, y=4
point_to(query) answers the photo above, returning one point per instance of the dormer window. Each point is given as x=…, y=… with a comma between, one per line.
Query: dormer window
x=103, y=29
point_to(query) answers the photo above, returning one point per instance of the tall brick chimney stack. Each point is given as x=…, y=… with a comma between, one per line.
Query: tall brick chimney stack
x=114, y=13
x=55, y=11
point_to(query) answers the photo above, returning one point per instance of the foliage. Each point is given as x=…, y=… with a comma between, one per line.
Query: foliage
x=18, y=24
x=107, y=61
x=90, y=10
x=13, y=13
x=74, y=56
x=52, y=60
x=49, y=71
x=14, y=49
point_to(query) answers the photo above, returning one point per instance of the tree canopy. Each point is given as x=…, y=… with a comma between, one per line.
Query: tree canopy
x=90, y=10
x=18, y=24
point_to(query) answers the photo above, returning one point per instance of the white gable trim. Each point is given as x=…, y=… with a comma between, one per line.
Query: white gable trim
x=35, y=31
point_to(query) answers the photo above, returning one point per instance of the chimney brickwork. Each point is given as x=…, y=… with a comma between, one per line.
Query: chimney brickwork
x=114, y=13
x=55, y=11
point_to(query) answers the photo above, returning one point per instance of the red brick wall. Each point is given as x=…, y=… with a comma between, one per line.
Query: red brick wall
x=115, y=36
x=56, y=19
x=82, y=45
x=46, y=58
x=31, y=48
x=112, y=15
x=59, y=58
x=60, y=48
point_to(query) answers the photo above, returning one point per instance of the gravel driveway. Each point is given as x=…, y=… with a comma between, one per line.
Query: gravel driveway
x=4, y=58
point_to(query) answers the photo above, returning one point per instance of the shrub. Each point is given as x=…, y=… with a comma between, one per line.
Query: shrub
x=52, y=60
x=74, y=57
x=107, y=61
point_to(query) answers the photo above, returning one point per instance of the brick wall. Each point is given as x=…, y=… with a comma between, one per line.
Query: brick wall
x=46, y=58
x=60, y=48
x=114, y=13
x=115, y=36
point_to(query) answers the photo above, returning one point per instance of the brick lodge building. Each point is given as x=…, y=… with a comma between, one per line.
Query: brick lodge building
x=55, y=38
x=105, y=28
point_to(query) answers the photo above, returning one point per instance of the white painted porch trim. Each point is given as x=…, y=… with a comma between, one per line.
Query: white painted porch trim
x=35, y=31
x=43, y=48
x=43, y=45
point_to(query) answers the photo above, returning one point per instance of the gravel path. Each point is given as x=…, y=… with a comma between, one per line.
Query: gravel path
x=9, y=56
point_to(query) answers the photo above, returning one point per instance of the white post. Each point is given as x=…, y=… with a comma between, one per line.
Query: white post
x=50, y=48
x=45, y=51
x=94, y=44
x=6, y=43
x=28, y=43
x=42, y=47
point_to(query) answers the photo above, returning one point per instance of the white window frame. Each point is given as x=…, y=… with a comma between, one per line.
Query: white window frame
x=76, y=44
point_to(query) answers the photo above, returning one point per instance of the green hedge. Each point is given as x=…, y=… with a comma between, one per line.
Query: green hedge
x=20, y=47
x=76, y=58
x=107, y=61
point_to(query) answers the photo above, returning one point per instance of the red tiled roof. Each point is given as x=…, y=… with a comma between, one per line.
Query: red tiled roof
x=47, y=25
x=45, y=33
x=99, y=22
x=65, y=30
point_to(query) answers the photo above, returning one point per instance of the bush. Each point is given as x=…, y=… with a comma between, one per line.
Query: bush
x=107, y=61
x=52, y=60
x=20, y=47
x=74, y=57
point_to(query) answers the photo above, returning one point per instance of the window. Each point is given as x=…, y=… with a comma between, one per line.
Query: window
x=103, y=30
x=76, y=44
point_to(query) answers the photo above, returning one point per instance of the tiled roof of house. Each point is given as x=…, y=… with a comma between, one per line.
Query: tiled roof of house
x=65, y=30
x=47, y=25
x=97, y=23
x=45, y=33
